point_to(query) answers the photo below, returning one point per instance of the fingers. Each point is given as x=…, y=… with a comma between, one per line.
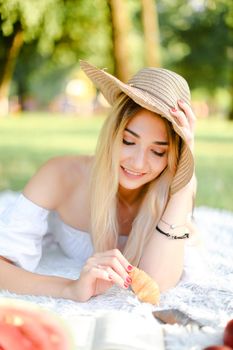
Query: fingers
x=188, y=112
x=110, y=266
x=185, y=118
x=185, y=115
x=116, y=278
x=114, y=263
x=180, y=117
x=107, y=274
x=97, y=271
x=118, y=255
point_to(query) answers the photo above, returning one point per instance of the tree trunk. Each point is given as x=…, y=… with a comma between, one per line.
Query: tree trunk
x=230, y=115
x=120, y=30
x=7, y=71
x=151, y=33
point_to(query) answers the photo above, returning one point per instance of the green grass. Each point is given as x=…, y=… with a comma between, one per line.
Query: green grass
x=29, y=140
x=214, y=163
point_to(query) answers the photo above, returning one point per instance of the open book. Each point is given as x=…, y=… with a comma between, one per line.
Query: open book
x=117, y=330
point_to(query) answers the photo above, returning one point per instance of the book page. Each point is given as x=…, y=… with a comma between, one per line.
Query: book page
x=120, y=330
x=83, y=330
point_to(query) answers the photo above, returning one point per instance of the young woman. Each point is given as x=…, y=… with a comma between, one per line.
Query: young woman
x=127, y=206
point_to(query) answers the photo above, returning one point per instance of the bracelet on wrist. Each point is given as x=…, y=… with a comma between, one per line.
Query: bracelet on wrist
x=171, y=226
x=185, y=235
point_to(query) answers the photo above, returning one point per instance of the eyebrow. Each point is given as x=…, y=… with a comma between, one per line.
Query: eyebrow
x=164, y=143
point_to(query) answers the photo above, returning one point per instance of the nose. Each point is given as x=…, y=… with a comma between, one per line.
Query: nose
x=138, y=160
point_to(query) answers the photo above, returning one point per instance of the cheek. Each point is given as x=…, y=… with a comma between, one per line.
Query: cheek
x=165, y=161
x=125, y=152
x=159, y=164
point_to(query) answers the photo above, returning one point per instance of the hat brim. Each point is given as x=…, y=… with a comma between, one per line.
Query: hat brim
x=111, y=88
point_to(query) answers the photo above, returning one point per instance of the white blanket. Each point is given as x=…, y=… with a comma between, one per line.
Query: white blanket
x=206, y=298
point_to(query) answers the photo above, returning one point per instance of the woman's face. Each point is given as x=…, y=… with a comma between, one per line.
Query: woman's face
x=144, y=151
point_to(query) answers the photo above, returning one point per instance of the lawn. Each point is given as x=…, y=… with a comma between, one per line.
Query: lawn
x=29, y=140
x=214, y=163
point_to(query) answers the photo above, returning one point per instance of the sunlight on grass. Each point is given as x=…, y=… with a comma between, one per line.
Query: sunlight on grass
x=214, y=160
x=30, y=140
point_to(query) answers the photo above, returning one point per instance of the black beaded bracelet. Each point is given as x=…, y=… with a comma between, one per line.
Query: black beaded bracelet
x=185, y=235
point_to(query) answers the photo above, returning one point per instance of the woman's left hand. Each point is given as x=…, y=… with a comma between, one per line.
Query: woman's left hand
x=186, y=120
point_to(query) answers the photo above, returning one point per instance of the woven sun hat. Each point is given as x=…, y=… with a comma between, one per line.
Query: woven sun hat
x=155, y=89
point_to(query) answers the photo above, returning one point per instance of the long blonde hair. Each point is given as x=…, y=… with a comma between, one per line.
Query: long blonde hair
x=105, y=182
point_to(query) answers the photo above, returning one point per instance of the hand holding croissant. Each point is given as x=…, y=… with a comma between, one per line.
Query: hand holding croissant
x=144, y=286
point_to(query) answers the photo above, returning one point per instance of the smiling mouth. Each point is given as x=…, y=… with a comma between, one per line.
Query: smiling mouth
x=130, y=172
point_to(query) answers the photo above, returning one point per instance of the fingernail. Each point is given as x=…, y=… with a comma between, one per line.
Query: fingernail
x=181, y=101
x=126, y=285
x=128, y=279
x=130, y=268
x=173, y=109
x=110, y=277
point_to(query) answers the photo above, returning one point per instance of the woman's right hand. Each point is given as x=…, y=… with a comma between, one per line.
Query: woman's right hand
x=100, y=272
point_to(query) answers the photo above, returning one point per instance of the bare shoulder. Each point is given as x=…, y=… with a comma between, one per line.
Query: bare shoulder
x=56, y=179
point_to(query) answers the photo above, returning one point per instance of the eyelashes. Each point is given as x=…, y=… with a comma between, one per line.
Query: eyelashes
x=159, y=154
x=127, y=142
x=154, y=152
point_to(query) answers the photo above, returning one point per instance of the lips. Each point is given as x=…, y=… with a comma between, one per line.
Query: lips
x=132, y=173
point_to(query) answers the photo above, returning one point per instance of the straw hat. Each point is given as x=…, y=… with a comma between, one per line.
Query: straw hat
x=157, y=90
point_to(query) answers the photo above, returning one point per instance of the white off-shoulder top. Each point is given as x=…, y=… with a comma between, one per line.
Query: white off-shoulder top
x=24, y=227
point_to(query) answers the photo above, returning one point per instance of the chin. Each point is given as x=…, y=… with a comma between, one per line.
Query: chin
x=131, y=185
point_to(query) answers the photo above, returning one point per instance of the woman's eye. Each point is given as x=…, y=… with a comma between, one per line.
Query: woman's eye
x=159, y=154
x=127, y=142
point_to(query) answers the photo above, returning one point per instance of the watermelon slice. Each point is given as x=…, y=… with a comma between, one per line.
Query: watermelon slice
x=23, y=326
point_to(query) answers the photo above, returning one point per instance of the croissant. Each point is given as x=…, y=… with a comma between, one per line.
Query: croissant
x=144, y=286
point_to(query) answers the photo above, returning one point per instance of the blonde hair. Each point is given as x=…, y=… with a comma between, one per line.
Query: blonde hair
x=105, y=181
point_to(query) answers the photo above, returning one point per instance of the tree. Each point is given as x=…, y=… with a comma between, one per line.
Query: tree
x=120, y=32
x=55, y=33
x=9, y=57
x=151, y=33
x=23, y=21
x=198, y=40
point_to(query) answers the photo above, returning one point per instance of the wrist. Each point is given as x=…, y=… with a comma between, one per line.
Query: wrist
x=68, y=290
x=172, y=235
x=177, y=228
x=74, y=291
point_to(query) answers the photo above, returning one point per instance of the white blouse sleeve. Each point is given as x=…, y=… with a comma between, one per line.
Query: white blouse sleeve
x=22, y=227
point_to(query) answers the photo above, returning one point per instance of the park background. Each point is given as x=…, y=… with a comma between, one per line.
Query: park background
x=49, y=108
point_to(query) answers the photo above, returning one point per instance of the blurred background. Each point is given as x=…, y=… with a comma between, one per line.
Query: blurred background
x=48, y=107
